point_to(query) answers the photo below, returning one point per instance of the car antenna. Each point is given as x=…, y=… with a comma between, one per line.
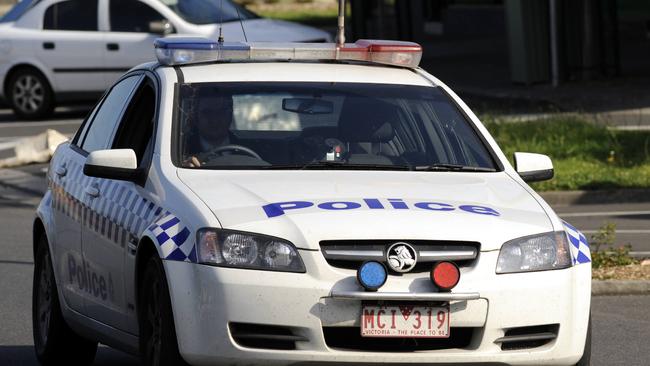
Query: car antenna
x=340, y=35
x=241, y=23
x=220, y=39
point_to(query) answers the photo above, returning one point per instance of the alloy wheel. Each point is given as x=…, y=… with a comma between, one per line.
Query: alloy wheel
x=28, y=93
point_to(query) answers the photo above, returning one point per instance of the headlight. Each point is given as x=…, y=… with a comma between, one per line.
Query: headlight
x=227, y=248
x=535, y=253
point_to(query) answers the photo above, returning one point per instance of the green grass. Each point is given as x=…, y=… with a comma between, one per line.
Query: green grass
x=585, y=156
x=310, y=12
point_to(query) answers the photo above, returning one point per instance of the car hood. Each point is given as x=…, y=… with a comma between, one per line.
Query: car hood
x=306, y=207
x=267, y=30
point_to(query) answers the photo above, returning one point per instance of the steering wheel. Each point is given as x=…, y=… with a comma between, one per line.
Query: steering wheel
x=235, y=148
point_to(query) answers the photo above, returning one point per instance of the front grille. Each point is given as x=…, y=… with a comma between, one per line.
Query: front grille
x=528, y=337
x=265, y=336
x=350, y=254
x=349, y=338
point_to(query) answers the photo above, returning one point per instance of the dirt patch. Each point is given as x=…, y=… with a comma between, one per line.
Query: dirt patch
x=631, y=272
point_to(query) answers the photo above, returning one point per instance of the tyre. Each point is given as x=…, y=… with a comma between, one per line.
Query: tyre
x=586, y=355
x=29, y=94
x=54, y=342
x=158, y=344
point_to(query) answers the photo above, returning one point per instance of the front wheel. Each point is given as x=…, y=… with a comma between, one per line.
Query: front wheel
x=30, y=94
x=54, y=342
x=158, y=345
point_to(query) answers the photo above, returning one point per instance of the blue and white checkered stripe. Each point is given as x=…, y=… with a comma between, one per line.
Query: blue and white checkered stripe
x=580, y=252
x=120, y=213
x=174, y=239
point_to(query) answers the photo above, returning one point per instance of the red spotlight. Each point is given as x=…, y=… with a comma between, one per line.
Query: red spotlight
x=445, y=275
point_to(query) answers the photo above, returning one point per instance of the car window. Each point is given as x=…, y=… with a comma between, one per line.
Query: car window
x=18, y=10
x=275, y=124
x=102, y=126
x=136, y=129
x=132, y=16
x=209, y=11
x=81, y=132
x=79, y=15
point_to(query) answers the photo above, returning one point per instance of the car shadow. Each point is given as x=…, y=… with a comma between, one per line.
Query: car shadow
x=25, y=356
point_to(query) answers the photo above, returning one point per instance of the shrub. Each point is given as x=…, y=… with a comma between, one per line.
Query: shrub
x=604, y=253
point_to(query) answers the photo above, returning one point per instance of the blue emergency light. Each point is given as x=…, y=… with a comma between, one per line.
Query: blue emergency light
x=191, y=50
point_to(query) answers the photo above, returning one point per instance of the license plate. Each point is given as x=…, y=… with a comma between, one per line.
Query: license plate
x=404, y=321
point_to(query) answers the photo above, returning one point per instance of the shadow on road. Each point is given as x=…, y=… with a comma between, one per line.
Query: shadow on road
x=24, y=355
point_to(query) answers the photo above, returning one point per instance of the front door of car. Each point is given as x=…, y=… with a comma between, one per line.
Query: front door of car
x=120, y=212
x=138, y=205
x=134, y=26
x=102, y=253
x=71, y=46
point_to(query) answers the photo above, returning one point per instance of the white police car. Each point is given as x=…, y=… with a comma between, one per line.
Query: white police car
x=300, y=203
x=61, y=51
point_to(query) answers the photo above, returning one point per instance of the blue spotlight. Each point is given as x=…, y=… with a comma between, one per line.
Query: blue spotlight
x=372, y=275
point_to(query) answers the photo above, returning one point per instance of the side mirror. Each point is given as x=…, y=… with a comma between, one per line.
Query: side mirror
x=533, y=167
x=118, y=164
x=162, y=27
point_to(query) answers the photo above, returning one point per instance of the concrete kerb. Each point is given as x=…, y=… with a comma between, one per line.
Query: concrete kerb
x=566, y=198
x=620, y=287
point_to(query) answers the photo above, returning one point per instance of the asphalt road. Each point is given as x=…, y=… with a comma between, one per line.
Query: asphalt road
x=621, y=325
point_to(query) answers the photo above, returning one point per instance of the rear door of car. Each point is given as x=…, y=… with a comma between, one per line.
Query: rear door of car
x=71, y=45
x=132, y=30
x=66, y=181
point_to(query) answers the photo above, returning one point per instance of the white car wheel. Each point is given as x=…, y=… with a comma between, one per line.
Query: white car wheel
x=30, y=94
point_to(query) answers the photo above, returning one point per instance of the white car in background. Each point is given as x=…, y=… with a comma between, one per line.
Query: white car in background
x=56, y=51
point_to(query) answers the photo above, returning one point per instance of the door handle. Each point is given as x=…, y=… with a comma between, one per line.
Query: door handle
x=48, y=45
x=61, y=171
x=92, y=191
x=112, y=46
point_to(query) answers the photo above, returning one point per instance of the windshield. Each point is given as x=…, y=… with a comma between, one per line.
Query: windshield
x=264, y=125
x=18, y=10
x=209, y=11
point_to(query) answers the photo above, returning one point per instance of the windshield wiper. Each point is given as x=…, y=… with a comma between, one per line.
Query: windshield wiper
x=336, y=165
x=442, y=167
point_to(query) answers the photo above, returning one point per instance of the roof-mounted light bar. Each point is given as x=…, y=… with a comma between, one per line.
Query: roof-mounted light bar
x=181, y=51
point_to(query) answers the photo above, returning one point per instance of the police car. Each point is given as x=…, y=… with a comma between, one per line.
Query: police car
x=248, y=203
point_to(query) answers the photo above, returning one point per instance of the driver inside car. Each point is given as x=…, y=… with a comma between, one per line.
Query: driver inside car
x=211, y=128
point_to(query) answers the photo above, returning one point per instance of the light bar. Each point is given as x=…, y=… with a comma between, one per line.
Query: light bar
x=190, y=50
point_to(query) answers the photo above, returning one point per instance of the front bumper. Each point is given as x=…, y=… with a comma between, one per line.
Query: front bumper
x=206, y=299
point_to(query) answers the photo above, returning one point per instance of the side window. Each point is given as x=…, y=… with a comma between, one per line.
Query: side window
x=72, y=15
x=136, y=129
x=101, y=129
x=132, y=16
x=81, y=132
